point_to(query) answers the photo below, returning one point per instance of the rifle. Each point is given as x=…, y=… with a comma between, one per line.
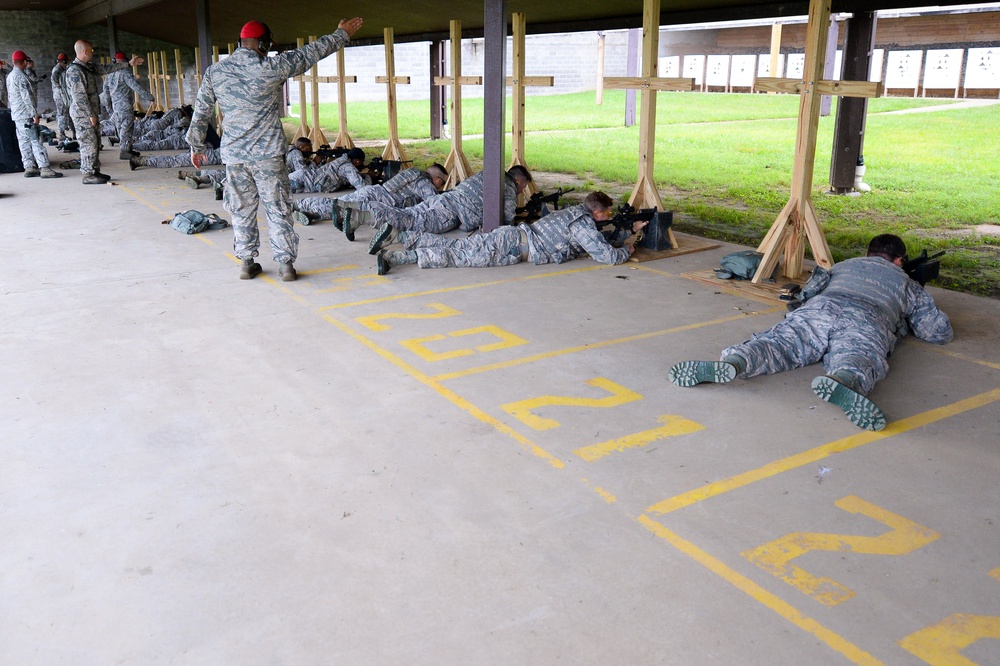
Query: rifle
x=326, y=153
x=627, y=215
x=923, y=268
x=532, y=209
x=382, y=170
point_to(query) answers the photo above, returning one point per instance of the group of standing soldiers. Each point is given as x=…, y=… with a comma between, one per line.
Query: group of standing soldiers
x=76, y=88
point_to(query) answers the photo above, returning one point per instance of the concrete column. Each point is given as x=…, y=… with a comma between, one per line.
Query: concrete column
x=204, y=35
x=494, y=116
x=437, y=92
x=849, y=131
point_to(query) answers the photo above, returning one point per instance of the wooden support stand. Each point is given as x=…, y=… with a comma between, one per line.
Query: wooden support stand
x=518, y=82
x=164, y=78
x=393, y=149
x=457, y=164
x=154, y=83
x=797, y=221
x=180, y=76
x=315, y=134
x=136, y=104
x=645, y=194
x=303, y=130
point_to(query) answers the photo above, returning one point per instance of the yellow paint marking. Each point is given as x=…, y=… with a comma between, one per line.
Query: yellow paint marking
x=672, y=425
x=821, y=452
x=450, y=395
x=759, y=594
x=448, y=290
x=145, y=201
x=522, y=410
x=904, y=537
x=605, y=495
x=995, y=573
x=940, y=644
x=962, y=357
x=507, y=340
x=372, y=322
x=345, y=283
x=594, y=345
x=331, y=269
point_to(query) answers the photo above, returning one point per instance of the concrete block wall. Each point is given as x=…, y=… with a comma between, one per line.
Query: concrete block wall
x=43, y=35
x=570, y=58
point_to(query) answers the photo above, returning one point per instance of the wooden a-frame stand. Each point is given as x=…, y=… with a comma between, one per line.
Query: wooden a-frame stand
x=393, y=149
x=457, y=164
x=797, y=221
x=518, y=82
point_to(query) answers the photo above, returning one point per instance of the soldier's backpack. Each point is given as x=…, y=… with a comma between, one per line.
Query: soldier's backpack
x=194, y=222
x=10, y=153
x=741, y=266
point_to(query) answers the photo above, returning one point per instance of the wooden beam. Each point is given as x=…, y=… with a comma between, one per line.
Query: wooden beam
x=393, y=149
x=456, y=163
x=644, y=83
x=96, y=11
x=823, y=87
x=304, y=129
x=315, y=134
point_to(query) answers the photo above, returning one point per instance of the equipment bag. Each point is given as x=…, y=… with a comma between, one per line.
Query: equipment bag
x=10, y=153
x=741, y=266
x=193, y=222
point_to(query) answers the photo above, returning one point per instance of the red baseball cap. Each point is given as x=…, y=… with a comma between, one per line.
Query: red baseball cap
x=62, y=57
x=120, y=55
x=253, y=30
x=19, y=55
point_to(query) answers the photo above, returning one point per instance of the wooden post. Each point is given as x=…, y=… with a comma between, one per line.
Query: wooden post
x=456, y=163
x=775, y=52
x=797, y=221
x=303, y=130
x=154, y=83
x=645, y=194
x=343, y=138
x=180, y=76
x=315, y=134
x=518, y=82
x=197, y=66
x=164, y=78
x=136, y=105
x=393, y=149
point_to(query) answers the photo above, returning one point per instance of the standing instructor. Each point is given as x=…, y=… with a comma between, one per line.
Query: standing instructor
x=247, y=87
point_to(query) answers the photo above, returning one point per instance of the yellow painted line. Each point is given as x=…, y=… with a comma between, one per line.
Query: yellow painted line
x=446, y=290
x=595, y=345
x=995, y=573
x=605, y=495
x=941, y=644
x=523, y=410
x=334, y=269
x=441, y=311
x=821, y=452
x=761, y=595
x=450, y=395
x=145, y=201
x=962, y=357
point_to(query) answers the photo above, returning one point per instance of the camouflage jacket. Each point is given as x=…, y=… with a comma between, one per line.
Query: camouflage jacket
x=23, y=94
x=83, y=85
x=567, y=234
x=58, y=77
x=466, y=201
x=248, y=91
x=120, y=87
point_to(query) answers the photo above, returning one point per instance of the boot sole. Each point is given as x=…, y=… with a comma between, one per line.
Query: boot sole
x=379, y=238
x=690, y=373
x=301, y=218
x=861, y=411
x=383, y=263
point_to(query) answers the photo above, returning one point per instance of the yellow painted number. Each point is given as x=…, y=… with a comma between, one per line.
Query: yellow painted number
x=775, y=557
x=507, y=340
x=373, y=322
x=523, y=409
x=672, y=425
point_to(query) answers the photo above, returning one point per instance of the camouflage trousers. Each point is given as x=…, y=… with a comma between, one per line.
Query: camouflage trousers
x=315, y=208
x=124, y=122
x=212, y=156
x=429, y=219
x=315, y=180
x=249, y=185
x=89, y=138
x=378, y=194
x=33, y=153
x=63, y=123
x=160, y=140
x=843, y=335
x=500, y=247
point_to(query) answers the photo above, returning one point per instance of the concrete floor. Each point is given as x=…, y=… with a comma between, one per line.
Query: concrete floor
x=460, y=466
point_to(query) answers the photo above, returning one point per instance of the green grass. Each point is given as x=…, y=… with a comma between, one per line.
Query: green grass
x=724, y=164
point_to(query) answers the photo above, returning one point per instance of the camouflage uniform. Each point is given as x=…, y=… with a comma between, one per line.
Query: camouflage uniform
x=328, y=177
x=561, y=236
x=212, y=156
x=160, y=140
x=22, y=91
x=852, y=318
x=407, y=188
x=295, y=160
x=61, y=99
x=248, y=89
x=122, y=88
x=461, y=208
x=83, y=84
